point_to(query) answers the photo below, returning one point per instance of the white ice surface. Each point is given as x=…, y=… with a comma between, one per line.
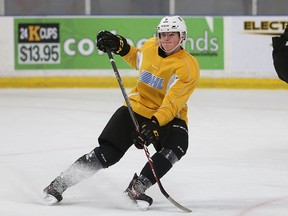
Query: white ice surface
x=236, y=165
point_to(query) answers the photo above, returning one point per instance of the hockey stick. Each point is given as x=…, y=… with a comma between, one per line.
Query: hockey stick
x=136, y=124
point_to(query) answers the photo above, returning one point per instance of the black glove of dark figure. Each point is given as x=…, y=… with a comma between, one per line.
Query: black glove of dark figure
x=149, y=134
x=116, y=43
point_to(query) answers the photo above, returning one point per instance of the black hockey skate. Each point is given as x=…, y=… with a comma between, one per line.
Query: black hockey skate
x=135, y=192
x=53, y=192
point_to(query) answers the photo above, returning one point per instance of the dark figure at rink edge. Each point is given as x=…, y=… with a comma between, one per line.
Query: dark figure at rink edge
x=280, y=55
x=168, y=76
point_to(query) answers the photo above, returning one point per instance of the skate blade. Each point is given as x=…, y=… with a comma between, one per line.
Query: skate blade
x=50, y=200
x=142, y=205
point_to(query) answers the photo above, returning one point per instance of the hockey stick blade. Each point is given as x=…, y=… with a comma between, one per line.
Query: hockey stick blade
x=136, y=124
x=183, y=208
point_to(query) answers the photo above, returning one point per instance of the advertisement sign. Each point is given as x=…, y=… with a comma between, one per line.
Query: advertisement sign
x=70, y=43
x=39, y=43
x=249, y=44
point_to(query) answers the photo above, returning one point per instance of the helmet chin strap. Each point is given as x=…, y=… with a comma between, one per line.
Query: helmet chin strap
x=170, y=51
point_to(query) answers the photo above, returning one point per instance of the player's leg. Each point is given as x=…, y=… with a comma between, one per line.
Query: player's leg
x=81, y=169
x=113, y=143
x=175, y=144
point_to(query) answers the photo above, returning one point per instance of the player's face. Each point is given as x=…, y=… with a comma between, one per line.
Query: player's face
x=169, y=40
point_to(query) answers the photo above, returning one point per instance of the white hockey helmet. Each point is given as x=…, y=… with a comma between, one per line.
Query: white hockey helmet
x=173, y=24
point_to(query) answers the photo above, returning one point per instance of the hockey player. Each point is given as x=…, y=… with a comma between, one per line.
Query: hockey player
x=280, y=55
x=168, y=76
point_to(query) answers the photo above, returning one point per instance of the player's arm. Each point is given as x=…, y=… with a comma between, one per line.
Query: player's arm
x=134, y=56
x=178, y=94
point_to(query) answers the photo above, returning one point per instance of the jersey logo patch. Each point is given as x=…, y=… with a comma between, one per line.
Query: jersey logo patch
x=151, y=80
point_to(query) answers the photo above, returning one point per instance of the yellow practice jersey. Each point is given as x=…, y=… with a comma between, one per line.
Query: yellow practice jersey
x=164, y=84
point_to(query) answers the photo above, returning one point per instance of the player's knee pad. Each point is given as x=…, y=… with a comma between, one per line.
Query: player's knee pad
x=169, y=155
x=163, y=161
x=108, y=155
x=176, y=143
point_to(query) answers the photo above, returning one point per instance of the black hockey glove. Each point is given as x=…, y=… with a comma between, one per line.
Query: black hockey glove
x=149, y=134
x=116, y=43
